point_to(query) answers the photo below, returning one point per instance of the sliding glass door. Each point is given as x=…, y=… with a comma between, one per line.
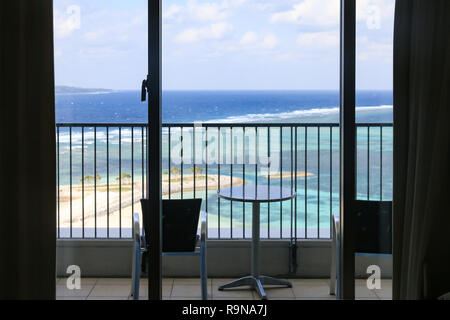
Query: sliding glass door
x=231, y=101
x=100, y=59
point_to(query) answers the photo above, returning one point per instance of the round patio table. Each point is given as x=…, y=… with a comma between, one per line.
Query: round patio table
x=256, y=195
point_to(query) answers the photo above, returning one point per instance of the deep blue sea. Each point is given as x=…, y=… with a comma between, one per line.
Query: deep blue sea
x=221, y=106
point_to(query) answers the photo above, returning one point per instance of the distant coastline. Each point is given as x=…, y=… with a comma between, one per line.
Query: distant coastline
x=76, y=90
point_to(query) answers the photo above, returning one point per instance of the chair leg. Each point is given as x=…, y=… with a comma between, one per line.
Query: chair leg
x=137, y=274
x=203, y=274
x=333, y=269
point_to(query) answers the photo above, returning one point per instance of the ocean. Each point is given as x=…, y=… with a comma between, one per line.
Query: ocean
x=222, y=106
x=112, y=153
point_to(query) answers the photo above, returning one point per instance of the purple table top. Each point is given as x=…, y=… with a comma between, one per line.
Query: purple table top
x=250, y=193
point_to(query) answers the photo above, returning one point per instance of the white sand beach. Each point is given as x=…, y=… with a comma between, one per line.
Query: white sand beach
x=96, y=205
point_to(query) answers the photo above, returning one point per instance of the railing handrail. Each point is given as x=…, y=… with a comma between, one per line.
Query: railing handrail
x=226, y=125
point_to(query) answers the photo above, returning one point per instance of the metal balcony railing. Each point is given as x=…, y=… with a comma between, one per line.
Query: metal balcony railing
x=101, y=170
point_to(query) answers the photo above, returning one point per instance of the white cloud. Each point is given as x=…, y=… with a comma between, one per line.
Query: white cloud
x=249, y=37
x=375, y=11
x=325, y=13
x=201, y=11
x=58, y=53
x=172, y=12
x=65, y=23
x=374, y=51
x=269, y=41
x=254, y=44
x=311, y=13
x=206, y=11
x=115, y=31
x=262, y=5
x=212, y=32
x=283, y=56
x=323, y=40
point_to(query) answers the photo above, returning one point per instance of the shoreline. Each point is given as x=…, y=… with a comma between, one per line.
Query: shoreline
x=95, y=207
x=288, y=175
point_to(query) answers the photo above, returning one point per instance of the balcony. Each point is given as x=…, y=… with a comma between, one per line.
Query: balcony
x=189, y=289
x=101, y=170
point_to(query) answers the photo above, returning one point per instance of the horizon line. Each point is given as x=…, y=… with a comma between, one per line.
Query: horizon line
x=226, y=90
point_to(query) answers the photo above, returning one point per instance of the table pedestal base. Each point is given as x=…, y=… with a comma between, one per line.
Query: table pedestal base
x=256, y=283
x=256, y=280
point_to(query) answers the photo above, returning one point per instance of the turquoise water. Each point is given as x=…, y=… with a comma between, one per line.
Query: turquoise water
x=322, y=189
x=308, y=216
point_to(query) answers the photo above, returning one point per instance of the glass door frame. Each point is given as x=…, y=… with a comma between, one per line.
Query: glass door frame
x=346, y=271
x=154, y=135
x=346, y=252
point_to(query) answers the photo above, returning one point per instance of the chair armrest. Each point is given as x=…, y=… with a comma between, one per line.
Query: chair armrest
x=136, y=229
x=203, y=227
x=335, y=228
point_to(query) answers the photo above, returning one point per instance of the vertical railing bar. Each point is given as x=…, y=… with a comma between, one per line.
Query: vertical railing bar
x=318, y=182
x=170, y=166
x=194, y=159
x=381, y=163
x=256, y=166
x=107, y=182
x=206, y=180
x=218, y=172
x=292, y=183
x=296, y=177
x=331, y=176
x=182, y=162
x=368, y=163
x=142, y=163
x=146, y=156
x=256, y=156
x=268, y=181
x=82, y=182
x=120, y=182
x=306, y=182
x=58, y=176
x=70, y=147
x=231, y=178
x=95, y=182
x=281, y=181
x=132, y=176
x=243, y=176
x=146, y=166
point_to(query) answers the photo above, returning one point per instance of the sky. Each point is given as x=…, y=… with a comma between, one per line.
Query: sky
x=221, y=44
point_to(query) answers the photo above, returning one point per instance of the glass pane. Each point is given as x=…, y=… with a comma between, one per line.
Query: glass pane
x=251, y=97
x=100, y=61
x=374, y=101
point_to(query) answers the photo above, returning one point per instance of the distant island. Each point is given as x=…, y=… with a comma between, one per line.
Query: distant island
x=73, y=90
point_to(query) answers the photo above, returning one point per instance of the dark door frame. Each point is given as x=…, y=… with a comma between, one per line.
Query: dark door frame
x=154, y=148
x=346, y=286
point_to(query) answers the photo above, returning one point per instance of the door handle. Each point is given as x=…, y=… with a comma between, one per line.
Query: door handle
x=145, y=88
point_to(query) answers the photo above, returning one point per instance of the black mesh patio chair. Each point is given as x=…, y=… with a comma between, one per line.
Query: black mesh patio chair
x=179, y=237
x=373, y=234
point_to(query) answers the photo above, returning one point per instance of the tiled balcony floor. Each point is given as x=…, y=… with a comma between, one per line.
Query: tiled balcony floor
x=189, y=289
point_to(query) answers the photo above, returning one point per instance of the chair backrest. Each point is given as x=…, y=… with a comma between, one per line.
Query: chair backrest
x=179, y=224
x=373, y=227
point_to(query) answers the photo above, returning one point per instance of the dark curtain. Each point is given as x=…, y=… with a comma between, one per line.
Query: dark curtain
x=422, y=149
x=27, y=147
